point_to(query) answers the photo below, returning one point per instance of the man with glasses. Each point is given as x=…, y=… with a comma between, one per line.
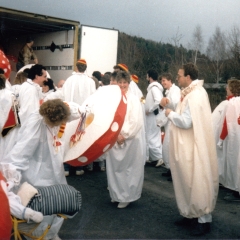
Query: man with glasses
x=192, y=154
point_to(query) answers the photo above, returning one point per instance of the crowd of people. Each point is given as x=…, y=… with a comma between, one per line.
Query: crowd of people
x=197, y=153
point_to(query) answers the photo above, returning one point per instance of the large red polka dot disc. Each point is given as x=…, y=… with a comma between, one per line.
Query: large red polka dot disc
x=4, y=64
x=108, y=105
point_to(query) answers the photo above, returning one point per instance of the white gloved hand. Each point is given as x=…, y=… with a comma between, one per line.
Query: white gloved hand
x=85, y=109
x=10, y=185
x=220, y=144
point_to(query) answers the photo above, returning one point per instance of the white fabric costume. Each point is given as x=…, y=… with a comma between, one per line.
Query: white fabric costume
x=173, y=95
x=78, y=87
x=229, y=160
x=30, y=95
x=153, y=99
x=40, y=163
x=7, y=142
x=133, y=87
x=192, y=155
x=125, y=163
x=34, y=154
x=218, y=117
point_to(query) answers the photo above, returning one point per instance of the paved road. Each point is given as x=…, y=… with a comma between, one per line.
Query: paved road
x=151, y=217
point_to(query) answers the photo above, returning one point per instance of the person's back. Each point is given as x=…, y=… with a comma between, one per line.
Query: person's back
x=78, y=86
x=153, y=99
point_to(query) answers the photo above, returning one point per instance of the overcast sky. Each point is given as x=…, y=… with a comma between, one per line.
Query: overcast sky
x=158, y=20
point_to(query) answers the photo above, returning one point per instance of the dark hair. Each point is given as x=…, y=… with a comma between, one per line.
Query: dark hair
x=105, y=79
x=109, y=73
x=191, y=70
x=113, y=75
x=26, y=70
x=36, y=70
x=234, y=87
x=1, y=71
x=55, y=112
x=168, y=76
x=50, y=84
x=116, y=67
x=29, y=39
x=2, y=81
x=97, y=75
x=123, y=75
x=81, y=67
x=152, y=74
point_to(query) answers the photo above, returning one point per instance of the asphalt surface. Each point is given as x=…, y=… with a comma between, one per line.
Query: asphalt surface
x=151, y=217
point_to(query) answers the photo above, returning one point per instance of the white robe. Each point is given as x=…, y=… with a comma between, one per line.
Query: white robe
x=218, y=117
x=192, y=155
x=7, y=142
x=133, y=87
x=153, y=132
x=78, y=88
x=30, y=95
x=125, y=163
x=229, y=161
x=34, y=154
x=174, y=95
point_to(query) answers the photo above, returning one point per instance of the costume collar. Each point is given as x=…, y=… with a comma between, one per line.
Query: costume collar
x=229, y=97
x=192, y=86
x=157, y=84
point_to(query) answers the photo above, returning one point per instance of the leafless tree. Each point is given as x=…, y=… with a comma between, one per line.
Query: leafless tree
x=178, y=55
x=216, y=51
x=197, y=42
x=233, y=41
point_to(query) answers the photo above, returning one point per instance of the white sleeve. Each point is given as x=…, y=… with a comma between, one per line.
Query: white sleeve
x=183, y=120
x=55, y=95
x=133, y=119
x=29, y=103
x=174, y=99
x=157, y=96
x=76, y=110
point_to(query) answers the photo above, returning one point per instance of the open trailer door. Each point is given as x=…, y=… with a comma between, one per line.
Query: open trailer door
x=98, y=46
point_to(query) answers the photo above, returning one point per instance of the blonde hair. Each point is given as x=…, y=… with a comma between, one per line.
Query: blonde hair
x=55, y=112
x=20, y=78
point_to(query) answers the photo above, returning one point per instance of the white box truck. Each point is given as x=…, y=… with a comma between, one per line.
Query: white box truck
x=58, y=43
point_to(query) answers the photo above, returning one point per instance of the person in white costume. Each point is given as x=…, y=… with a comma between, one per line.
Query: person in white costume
x=173, y=95
x=133, y=87
x=153, y=98
x=77, y=88
x=18, y=81
x=38, y=153
x=125, y=161
x=8, y=122
x=227, y=139
x=192, y=155
x=30, y=92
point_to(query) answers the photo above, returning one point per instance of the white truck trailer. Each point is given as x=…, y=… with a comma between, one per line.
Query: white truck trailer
x=58, y=43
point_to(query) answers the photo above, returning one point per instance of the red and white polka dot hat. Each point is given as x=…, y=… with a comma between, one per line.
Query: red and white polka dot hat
x=5, y=64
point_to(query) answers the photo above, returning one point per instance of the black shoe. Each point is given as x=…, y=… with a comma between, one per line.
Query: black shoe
x=167, y=174
x=170, y=179
x=201, y=229
x=186, y=222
